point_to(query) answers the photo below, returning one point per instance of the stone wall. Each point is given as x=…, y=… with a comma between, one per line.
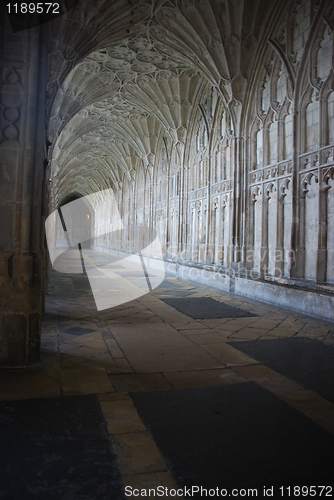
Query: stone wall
x=22, y=151
x=212, y=122
x=269, y=218
x=232, y=159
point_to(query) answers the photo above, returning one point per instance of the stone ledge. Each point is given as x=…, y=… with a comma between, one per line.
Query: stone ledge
x=302, y=296
x=312, y=303
x=295, y=296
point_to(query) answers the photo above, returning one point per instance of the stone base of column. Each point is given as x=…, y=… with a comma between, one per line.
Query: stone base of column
x=20, y=308
x=321, y=265
x=20, y=339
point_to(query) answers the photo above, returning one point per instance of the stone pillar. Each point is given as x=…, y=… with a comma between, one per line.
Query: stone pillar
x=280, y=222
x=209, y=228
x=321, y=272
x=237, y=218
x=298, y=271
x=264, y=231
x=22, y=175
x=251, y=235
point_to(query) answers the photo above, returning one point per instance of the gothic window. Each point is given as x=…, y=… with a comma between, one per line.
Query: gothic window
x=214, y=99
x=281, y=85
x=324, y=55
x=301, y=26
x=265, y=100
x=222, y=126
x=205, y=138
x=217, y=167
x=330, y=106
x=227, y=162
x=195, y=177
x=192, y=180
x=259, y=149
x=312, y=125
x=200, y=177
x=205, y=172
x=230, y=123
x=197, y=142
x=288, y=136
x=273, y=142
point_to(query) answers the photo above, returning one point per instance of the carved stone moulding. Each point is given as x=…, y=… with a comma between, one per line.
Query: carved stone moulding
x=285, y=168
x=282, y=169
x=327, y=155
x=11, y=99
x=305, y=181
x=323, y=156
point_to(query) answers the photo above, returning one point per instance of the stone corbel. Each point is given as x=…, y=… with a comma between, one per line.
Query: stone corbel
x=283, y=187
x=306, y=179
x=327, y=173
x=269, y=189
x=255, y=192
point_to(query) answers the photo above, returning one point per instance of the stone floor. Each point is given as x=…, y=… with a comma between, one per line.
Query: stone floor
x=148, y=345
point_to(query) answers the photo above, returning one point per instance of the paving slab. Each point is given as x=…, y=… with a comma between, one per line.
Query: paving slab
x=236, y=436
x=307, y=361
x=57, y=448
x=205, y=308
x=160, y=348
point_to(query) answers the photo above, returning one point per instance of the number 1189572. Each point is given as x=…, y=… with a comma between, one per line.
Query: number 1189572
x=33, y=8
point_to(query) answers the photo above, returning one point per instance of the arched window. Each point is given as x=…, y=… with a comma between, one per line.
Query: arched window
x=227, y=162
x=273, y=142
x=330, y=104
x=197, y=142
x=205, y=138
x=214, y=99
x=288, y=136
x=281, y=85
x=222, y=126
x=324, y=55
x=312, y=125
x=217, y=170
x=259, y=149
x=265, y=99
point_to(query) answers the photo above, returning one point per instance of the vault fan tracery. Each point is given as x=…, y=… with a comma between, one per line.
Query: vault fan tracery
x=172, y=50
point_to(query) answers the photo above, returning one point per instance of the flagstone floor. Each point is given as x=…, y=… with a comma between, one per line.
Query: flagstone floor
x=148, y=345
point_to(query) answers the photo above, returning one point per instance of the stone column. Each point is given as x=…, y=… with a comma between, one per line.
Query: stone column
x=321, y=272
x=298, y=271
x=264, y=231
x=237, y=219
x=22, y=174
x=280, y=222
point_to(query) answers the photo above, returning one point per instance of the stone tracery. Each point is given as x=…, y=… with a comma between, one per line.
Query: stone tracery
x=211, y=120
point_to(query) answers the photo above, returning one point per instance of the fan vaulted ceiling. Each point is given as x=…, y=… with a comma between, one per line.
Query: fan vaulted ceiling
x=123, y=75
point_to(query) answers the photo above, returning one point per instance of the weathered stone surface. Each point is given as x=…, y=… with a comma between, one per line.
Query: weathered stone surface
x=214, y=128
x=15, y=334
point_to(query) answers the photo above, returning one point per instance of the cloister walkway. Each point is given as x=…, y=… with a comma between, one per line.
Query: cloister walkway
x=185, y=386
